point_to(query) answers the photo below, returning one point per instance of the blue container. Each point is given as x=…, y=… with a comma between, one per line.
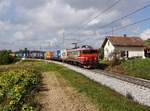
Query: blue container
x=58, y=54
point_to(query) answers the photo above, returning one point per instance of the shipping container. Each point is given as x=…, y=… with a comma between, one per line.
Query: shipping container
x=48, y=55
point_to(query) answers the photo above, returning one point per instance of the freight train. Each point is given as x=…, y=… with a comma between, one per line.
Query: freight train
x=85, y=56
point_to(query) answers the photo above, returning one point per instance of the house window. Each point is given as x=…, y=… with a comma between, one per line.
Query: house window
x=124, y=54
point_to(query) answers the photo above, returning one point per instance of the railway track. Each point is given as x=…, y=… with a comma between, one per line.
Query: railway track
x=130, y=79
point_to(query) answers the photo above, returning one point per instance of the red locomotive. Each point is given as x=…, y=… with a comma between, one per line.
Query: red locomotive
x=85, y=56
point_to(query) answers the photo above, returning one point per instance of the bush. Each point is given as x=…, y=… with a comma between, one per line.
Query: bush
x=137, y=67
x=5, y=57
x=115, y=61
x=101, y=53
x=15, y=87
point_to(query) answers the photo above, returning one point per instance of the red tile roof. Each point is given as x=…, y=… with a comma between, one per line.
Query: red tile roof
x=124, y=41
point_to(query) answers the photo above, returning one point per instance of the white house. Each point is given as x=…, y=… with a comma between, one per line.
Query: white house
x=123, y=47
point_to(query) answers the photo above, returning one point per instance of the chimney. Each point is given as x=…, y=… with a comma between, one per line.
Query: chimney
x=124, y=35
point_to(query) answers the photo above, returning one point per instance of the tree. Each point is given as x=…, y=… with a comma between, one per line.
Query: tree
x=5, y=57
x=116, y=58
x=147, y=42
x=101, y=53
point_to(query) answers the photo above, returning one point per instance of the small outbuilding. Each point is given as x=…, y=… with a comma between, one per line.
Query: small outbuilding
x=123, y=47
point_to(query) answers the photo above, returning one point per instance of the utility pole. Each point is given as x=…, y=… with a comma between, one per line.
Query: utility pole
x=112, y=30
x=63, y=38
x=75, y=45
x=49, y=45
x=40, y=46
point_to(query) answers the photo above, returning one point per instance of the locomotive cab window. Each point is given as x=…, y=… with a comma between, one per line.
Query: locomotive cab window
x=89, y=51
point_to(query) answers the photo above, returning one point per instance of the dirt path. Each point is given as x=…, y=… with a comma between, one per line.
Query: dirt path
x=59, y=96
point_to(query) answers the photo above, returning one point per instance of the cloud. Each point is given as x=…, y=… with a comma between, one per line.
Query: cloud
x=5, y=25
x=145, y=34
x=4, y=4
x=88, y=33
x=104, y=18
x=30, y=4
x=35, y=23
x=56, y=14
x=81, y=4
x=23, y=35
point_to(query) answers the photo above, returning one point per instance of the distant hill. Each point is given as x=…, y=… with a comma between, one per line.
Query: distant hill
x=147, y=42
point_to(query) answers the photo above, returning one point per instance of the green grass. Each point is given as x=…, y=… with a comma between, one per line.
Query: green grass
x=137, y=67
x=105, y=98
x=41, y=66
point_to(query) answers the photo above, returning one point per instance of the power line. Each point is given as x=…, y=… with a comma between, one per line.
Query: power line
x=146, y=6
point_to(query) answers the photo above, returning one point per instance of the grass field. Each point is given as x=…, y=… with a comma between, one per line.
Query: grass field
x=137, y=67
x=103, y=97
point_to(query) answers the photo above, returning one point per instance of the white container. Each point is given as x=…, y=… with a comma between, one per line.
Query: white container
x=63, y=54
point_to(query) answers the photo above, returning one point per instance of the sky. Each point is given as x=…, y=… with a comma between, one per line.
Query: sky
x=56, y=24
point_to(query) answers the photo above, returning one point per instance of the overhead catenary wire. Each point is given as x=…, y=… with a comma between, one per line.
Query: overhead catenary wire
x=123, y=17
x=104, y=11
x=123, y=27
x=98, y=15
